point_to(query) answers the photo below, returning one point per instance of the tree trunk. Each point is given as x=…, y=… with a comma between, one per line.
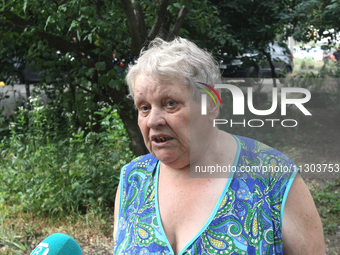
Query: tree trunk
x=272, y=67
x=28, y=94
x=72, y=107
x=273, y=74
x=137, y=142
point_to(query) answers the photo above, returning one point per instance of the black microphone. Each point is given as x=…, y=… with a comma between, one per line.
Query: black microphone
x=57, y=244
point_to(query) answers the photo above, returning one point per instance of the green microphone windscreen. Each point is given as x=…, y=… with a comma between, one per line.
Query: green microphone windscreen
x=57, y=244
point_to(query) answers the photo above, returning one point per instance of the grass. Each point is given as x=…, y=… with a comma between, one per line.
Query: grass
x=57, y=179
x=327, y=200
x=24, y=231
x=307, y=65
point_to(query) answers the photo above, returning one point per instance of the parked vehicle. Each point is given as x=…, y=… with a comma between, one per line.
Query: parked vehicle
x=21, y=73
x=315, y=53
x=255, y=65
x=300, y=52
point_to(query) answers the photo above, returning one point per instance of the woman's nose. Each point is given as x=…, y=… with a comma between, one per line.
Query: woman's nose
x=156, y=117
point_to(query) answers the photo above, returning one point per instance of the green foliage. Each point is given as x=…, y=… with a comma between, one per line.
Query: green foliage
x=254, y=24
x=316, y=19
x=318, y=77
x=50, y=167
x=72, y=43
x=328, y=202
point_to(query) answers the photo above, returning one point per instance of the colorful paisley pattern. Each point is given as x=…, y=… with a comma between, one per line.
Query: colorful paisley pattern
x=247, y=221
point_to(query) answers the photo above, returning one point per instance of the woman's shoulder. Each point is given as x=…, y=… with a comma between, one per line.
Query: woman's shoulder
x=145, y=164
x=259, y=161
x=252, y=145
x=253, y=149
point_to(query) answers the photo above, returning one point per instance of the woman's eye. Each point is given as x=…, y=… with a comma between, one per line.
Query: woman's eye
x=144, y=108
x=171, y=103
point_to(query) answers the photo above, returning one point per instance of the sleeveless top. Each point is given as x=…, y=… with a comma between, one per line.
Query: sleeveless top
x=247, y=218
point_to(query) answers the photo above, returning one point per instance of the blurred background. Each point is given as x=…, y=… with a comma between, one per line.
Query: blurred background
x=67, y=124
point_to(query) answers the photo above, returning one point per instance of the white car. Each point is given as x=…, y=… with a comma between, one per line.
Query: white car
x=300, y=53
x=315, y=53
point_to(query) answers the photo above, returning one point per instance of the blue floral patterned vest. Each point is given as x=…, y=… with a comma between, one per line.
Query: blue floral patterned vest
x=246, y=220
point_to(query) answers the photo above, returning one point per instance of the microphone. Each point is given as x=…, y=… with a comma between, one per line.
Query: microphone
x=57, y=244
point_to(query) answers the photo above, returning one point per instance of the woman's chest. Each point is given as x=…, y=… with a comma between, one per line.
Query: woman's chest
x=174, y=221
x=185, y=211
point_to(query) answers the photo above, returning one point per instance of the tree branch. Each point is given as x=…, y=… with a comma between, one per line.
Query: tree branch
x=140, y=19
x=164, y=31
x=179, y=22
x=19, y=24
x=161, y=15
x=133, y=27
x=93, y=92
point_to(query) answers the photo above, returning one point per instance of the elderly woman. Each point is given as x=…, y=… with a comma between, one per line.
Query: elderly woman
x=161, y=210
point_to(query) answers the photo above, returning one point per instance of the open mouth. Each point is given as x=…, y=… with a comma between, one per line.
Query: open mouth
x=162, y=139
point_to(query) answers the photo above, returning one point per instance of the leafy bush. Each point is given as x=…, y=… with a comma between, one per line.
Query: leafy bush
x=48, y=167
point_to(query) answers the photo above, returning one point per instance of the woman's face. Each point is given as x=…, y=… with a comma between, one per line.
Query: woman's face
x=164, y=119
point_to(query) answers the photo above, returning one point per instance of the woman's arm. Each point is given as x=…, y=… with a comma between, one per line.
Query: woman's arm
x=116, y=212
x=302, y=231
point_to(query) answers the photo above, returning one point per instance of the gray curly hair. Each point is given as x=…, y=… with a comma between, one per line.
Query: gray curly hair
x=179, y=59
